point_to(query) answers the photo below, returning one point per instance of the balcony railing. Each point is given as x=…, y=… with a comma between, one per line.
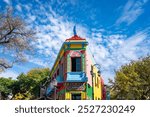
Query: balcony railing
x=49, y=91
x=51, y=87
x=59, y=79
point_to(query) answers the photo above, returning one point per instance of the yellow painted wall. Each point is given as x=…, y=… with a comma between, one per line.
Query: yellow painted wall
x=97, y=85
x=68, y=95
x=76, y=46
x=57, y=62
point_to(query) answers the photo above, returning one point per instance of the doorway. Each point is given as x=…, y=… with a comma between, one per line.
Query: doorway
x=76, y=96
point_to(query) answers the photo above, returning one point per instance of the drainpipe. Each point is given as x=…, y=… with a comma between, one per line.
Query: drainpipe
x=92, y=74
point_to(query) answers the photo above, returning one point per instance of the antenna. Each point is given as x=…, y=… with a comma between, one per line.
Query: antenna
x=74, y=30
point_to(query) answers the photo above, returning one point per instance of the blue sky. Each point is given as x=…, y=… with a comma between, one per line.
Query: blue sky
x=118, y=31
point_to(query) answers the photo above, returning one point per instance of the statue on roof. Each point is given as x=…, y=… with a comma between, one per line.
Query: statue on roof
x=74, y=30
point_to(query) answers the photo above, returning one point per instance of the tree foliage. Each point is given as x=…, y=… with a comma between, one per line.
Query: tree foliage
x=132, y=81
x=15, y=39
x=26, y=86
x=5, y=87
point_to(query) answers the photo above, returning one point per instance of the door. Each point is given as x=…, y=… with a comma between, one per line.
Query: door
x=76, y=96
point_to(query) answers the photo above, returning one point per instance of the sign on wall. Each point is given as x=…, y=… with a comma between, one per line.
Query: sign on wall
x=75, y=86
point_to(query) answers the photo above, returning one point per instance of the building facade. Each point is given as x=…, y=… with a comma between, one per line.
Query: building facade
x=74, y=75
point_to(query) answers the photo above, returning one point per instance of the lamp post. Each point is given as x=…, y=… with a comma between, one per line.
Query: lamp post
x=42, y=92
x=55, y=88
x=93, y=75
x=43, y=89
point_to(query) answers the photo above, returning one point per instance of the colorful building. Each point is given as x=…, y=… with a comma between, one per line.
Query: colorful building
x=74, y=75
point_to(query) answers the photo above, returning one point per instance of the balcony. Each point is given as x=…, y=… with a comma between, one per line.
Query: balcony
x=59, y=79
x=49, y=90
x=76, y=77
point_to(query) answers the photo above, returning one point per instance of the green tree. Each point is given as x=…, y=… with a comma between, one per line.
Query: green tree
x=27, y=86
x=22, y=86
x=39, y=76
x=132, y=81
x=5, y=87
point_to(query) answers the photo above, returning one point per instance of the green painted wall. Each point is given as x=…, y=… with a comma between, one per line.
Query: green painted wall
x=68, y=63
x=89, y=90
x=83, y=62
x=61, y=92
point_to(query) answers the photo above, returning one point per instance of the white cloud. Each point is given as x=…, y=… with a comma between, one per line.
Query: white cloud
x=27, y=7
x=7, y=2
x=18, y=7
x=38, y=62
x=110, y=51
x=32, y=18
x=9, y=73
x=116, y=50
x=73, y=2
x=53, y=33
x=131, y=11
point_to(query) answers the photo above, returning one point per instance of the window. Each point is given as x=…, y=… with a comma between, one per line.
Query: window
x=61, y=70
x=76, y=64
x=58, y=72
x=76, y=96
